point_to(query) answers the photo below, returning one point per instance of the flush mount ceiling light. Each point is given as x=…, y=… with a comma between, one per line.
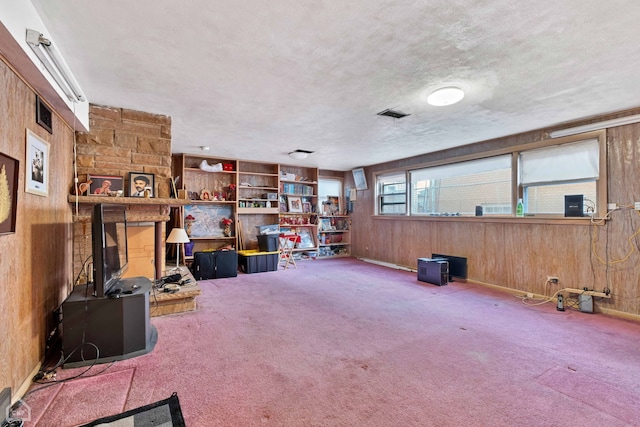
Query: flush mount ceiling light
x=299, y=154
x=445, y=96
x=204, y=148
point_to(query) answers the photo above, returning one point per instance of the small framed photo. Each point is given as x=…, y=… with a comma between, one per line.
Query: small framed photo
x=105, y=185
x=37, y=170
x=360, y=179
x=306, y=239
x=295, y=204
x=141, y=184
x=9, y=168
x=334, y=205
x=306, y=207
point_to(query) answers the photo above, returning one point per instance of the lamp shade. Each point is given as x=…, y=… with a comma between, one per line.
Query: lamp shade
x=178, y=235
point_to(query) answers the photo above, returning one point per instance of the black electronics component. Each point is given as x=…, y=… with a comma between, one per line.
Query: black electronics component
x=172, y=278
x=433, y=270
x=574, y=205
x=457, y=265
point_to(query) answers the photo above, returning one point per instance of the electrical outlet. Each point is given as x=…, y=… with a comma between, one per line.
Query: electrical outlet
x=553, y=279
x=612, y=206
x=636, y=206
x=529, y=294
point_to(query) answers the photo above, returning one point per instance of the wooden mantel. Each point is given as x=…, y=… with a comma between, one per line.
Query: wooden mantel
x=140, y=209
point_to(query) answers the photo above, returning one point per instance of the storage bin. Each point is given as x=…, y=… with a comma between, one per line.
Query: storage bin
x=214, y=265
x=254, y=261
x=268, y=243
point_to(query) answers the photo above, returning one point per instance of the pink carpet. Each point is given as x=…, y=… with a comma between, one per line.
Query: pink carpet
x=345, y=343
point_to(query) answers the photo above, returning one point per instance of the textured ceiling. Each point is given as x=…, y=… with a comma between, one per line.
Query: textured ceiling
x=256, y=80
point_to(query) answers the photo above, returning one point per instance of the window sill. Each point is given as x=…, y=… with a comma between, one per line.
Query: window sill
x=538, y=219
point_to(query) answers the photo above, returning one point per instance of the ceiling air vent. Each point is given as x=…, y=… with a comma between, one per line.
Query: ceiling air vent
x=393, y=113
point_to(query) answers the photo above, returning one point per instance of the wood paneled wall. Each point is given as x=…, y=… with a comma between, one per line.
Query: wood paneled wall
x=520, y=254
x=35, y=261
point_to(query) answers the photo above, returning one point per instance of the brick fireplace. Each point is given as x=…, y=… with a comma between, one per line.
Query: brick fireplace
x=122, y=141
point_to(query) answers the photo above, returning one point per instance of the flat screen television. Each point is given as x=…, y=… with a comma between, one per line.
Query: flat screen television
x=457, y=265
x=109, y=244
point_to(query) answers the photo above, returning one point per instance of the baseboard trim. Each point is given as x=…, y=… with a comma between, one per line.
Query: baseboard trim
x=387, y=264
x=24, y=387
x=596, y=309
x=608, y=311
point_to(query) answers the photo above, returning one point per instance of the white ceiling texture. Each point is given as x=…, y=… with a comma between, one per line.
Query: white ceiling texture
x=256, y=79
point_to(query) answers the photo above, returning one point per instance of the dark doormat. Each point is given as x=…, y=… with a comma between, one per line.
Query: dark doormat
x=165, y=413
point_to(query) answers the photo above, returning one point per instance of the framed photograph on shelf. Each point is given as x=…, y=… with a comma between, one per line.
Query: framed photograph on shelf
x=141, y=184
x=9, y=168
x=325, y=224
x=306, y=240
x=295, y=204
x=105, y=185
x=37, y=170
x=306, y=207
x=333, y=203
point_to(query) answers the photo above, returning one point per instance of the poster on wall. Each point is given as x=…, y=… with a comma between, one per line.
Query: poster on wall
x=8, y=193
x=37, y=165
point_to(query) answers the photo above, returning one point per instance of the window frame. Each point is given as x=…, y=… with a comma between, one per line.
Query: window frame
x=380, y=196
x=516, y=187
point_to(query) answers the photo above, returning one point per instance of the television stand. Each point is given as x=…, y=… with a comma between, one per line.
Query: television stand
x=118, y=327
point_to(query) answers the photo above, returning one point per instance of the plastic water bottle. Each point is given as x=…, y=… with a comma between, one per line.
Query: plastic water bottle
x=520, y=208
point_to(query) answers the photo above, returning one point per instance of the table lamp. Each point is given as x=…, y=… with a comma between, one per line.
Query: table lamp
x=177, y=236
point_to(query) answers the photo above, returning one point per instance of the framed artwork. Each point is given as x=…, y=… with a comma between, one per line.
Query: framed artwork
x=37, y=170
x=105, y=185
x=295, y=204
x=9, y=169
x=306, y=240
x=360, y=179
x=325, y=224
x=206, y=220
x=43, y=115
x=282, y=204
x=141, y=184
x=306, y=207
x=334, y=201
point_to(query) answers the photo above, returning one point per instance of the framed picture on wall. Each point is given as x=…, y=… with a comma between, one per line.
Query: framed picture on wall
x=360, y=179
x=37, y=169
x=141, y=184
x=9, y=168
